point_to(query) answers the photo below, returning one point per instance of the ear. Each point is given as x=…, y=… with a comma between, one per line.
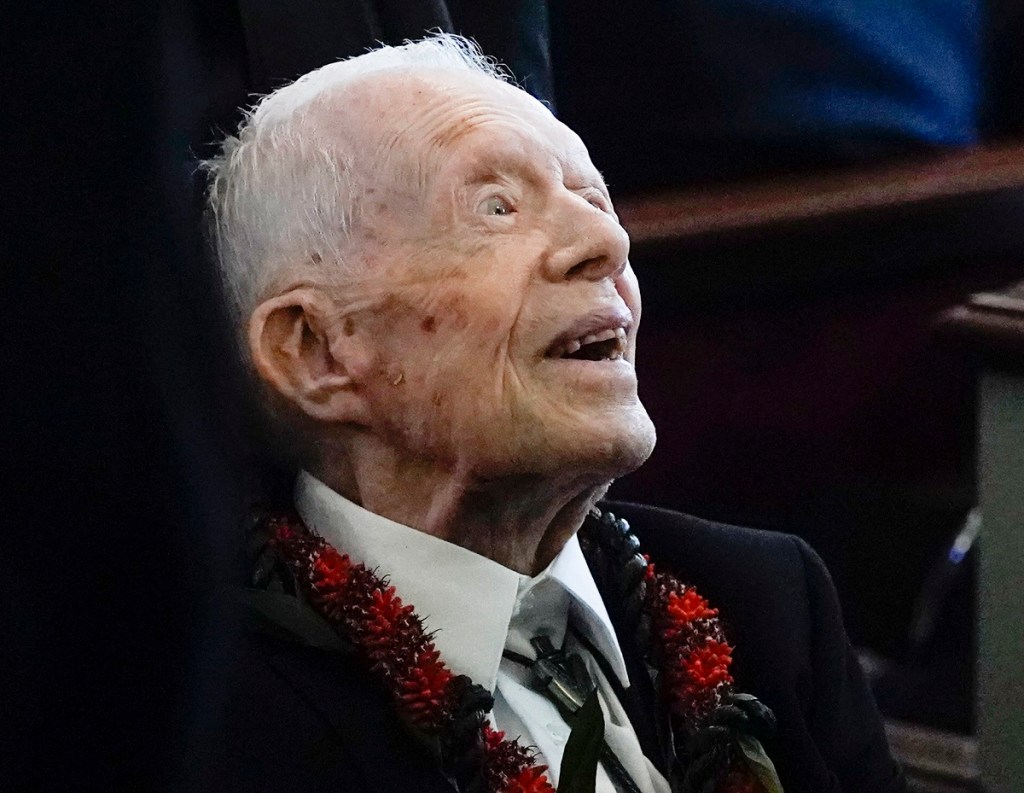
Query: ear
x=299, y=350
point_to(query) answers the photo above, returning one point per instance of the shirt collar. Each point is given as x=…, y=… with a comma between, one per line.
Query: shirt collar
x=466, y=600
x=588, y=611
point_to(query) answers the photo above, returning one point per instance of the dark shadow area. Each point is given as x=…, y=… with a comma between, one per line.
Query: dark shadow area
x=790, y=363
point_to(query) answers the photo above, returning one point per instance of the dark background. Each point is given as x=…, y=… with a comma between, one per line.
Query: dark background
x=819, y=405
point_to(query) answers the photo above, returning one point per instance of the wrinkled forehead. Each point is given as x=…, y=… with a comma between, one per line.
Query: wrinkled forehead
x=412, y=125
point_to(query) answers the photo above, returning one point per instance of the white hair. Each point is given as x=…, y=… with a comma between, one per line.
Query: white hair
x=282, y=192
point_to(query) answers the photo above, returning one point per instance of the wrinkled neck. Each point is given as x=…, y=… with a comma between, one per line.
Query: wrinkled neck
x=520, y=521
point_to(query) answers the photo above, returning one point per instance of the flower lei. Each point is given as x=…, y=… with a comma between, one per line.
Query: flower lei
x=688, y=646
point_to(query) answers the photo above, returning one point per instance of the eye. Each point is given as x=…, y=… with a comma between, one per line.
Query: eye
x=496, y=206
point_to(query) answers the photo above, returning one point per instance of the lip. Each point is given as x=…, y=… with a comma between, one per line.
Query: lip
x=595, y=322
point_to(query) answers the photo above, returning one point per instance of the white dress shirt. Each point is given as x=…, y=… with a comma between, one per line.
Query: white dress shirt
x=476, y=608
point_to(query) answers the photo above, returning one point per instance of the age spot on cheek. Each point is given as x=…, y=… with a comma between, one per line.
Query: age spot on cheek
x=428, y=325
x=455, y=313
x=349, y=326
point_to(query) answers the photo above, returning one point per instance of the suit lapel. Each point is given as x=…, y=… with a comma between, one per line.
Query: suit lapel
x=389, y=758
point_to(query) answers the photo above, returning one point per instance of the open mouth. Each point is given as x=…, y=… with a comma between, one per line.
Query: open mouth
x=604, y=345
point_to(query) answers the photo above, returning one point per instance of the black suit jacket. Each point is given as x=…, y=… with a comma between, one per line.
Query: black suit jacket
x=294, y=719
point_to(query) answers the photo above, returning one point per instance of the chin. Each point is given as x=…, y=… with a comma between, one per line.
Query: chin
x=583, y=451
x=604, y=451
x=634, y=445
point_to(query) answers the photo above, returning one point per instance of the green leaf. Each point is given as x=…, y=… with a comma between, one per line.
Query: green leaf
x=286, y=618
x=760, y=763
x=578, y=772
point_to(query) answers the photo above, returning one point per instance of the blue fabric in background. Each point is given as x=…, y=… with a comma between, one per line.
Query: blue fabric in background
x=683, y=91
x=810, y=68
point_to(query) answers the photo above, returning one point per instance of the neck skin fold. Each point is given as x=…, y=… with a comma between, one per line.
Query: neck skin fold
x=520, y=521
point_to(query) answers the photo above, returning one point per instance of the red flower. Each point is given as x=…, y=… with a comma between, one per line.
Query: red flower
x=508, y=767
x=329, y=570
x=385, y=612
x=698, y=679
x=708, y=665
x=423, y=692
x=492, y=738
x=688, y=607
x=691, y=648
x=530, y=780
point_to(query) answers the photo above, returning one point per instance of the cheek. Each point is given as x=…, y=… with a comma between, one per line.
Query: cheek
x=446, y=350
x=467, y=324
x=492, y=325
x=449, y=327
x=446, y=311
x=629, y=290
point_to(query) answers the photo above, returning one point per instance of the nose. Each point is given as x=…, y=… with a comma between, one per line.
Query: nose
x=590, y=244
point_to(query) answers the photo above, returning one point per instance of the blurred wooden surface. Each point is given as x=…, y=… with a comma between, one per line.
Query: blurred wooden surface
x=960, y=175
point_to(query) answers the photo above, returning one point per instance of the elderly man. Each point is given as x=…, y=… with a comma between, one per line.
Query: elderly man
x=433, y=291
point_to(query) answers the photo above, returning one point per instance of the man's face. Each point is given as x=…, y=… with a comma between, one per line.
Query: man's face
x=503, y=310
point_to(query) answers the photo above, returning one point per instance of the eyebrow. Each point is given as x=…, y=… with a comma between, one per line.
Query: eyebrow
x=493, y=165
x=502, y=164
x=593, y=178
